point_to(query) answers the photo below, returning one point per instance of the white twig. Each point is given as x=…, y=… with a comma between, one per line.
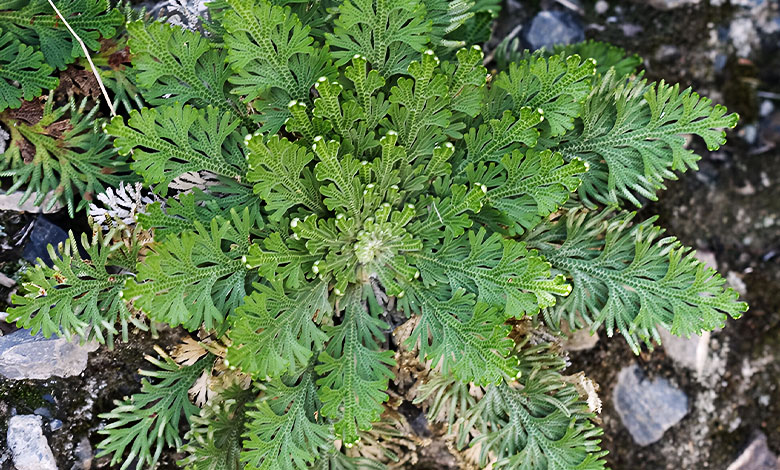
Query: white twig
x=89, y=59
x=515, y=31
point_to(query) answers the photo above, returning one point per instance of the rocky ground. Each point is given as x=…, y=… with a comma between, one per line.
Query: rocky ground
x=710, y=402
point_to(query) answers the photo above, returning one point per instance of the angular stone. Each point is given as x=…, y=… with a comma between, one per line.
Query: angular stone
x=580, y=340
x=647, y=408
x=671, y=4
x=687, y=352
x=756, y=456
x=13, y=202
x=23, y=356
x=44, y=233
x=29, y=448
x=550, y=28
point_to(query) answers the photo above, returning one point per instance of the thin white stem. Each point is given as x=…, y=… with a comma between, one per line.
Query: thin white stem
x=89, y=59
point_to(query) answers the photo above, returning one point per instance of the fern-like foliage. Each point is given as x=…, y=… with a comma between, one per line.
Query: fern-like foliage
x=149, y=420
x=322, y=172
x=80, y=296
x=285, y=432
x=540, y=423
x=195, y=279
x=34, y=23
x=22, y=70
x=632, y=279
x=633, y=135
x=214, y=440
x=64, y=152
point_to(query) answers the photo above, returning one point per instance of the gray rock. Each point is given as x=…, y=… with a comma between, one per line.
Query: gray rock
x=13, y=202
x=84, y=455
x=690, y=352
x=550, y=28
x=29, y=448
x=4, y=138
x=756, y=456
x=43, y=234
x=671, y=4
x=23, y=356
x=580, y=340
x=647, y=408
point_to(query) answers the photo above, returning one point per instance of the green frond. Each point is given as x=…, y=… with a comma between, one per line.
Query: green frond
x=463, y=338
x=34, y=23
x=354, y=370
x=502, y=272
x=285, y=432
x=388, y=33
x=79, y=296
x=196, y=279
x=273, y=58
x=275, y=333
x=177, y=65
x=524, y=189
x=169, y=141
x=214, y=440
x=23, y=73
x=556, y=86
x=632, y=279
x=149, y=420
x=538, y=423
x=633, y=136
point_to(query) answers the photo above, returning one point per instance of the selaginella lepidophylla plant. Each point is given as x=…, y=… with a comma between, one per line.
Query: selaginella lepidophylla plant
x=347, y=212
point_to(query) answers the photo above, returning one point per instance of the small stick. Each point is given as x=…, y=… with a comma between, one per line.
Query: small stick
x=89, y=59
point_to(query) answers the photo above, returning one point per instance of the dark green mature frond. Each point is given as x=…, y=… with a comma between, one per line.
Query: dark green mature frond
x=632, y=279
x=491, y=141
x=273, y=58
x=23, y=73
x=169, y=141
x=501, y=271
x=446, y=17
x=34, y=23
x=63, y=152
x=214, y=440
x=463, y=338
x=177, y=65
x=79, y=296
x=354, y=370
x=388, y=33
x=538, y=423
x=149, y=420
x=556, y=86
x=286, y=432
x=524, y=189
x=195, y=279
x=282, y=176
x=275, y=333
x=633, y=136
x=606, y=56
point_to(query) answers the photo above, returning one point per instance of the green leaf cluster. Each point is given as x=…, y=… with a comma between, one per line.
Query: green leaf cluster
x=324, y=169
